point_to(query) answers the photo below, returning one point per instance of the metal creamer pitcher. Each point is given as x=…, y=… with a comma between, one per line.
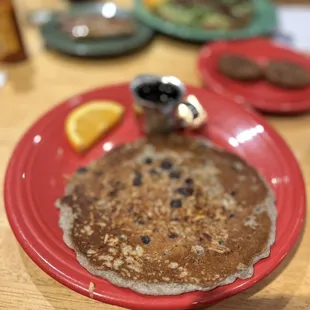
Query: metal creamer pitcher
x=160, y=106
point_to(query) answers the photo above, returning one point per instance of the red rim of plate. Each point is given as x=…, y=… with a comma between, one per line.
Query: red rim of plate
x=41, y=238
x=261, y=95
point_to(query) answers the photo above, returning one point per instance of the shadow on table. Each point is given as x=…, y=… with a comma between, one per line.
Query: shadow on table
x=62, y=298
x=20, y=76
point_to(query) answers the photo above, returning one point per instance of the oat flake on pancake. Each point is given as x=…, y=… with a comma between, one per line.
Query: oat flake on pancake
x=168, y=216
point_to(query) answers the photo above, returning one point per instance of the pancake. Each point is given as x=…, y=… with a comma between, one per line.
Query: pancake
x=239, y=68
x=287, y=74
x=168, y=215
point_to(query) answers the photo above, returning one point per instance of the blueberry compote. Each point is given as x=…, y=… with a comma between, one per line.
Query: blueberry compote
x=158, y=92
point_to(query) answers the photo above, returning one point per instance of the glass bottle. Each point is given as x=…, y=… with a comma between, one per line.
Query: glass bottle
x=12, y=48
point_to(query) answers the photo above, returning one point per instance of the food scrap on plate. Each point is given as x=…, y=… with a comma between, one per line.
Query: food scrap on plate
x=210, y=15
x=94, y=26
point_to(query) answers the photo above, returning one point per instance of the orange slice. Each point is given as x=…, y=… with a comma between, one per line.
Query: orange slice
x=87, y=123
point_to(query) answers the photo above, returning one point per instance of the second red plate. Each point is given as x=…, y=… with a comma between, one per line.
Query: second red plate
x=261, y=95
x=43, y=157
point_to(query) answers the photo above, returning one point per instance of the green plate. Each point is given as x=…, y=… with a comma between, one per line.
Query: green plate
x=60, y=41
x=264, y=22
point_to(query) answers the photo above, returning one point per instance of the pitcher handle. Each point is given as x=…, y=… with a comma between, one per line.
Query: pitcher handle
x=191, y=113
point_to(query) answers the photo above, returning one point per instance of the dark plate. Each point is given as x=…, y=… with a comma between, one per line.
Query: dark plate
x=60, y=41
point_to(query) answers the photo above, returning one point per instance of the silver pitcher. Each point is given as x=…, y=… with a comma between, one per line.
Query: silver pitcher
x=167, y=110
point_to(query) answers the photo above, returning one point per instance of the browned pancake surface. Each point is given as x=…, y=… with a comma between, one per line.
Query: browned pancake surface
x=173, y=211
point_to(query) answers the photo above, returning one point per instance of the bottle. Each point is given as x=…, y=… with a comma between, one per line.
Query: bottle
x=12, y=48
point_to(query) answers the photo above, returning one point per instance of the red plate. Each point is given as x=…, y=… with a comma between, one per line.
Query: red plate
x=35, y=178
x=261, y=94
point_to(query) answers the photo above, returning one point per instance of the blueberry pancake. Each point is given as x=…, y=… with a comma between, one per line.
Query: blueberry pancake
x=239, y=67
x=168, y=215
x=287, y=74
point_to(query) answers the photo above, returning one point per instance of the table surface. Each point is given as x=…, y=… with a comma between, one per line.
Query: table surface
x=48, y=78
